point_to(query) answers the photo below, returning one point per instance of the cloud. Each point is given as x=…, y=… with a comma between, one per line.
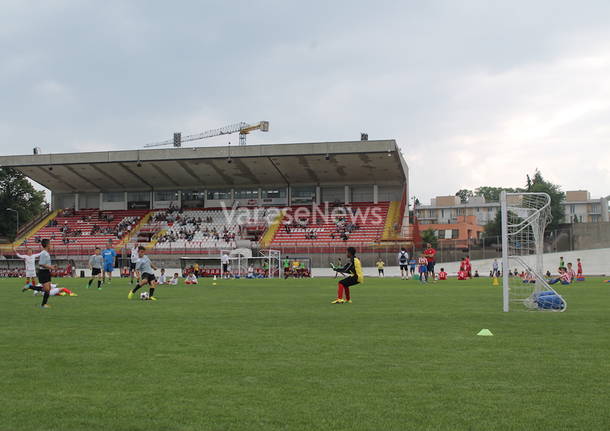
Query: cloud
x=476, y=93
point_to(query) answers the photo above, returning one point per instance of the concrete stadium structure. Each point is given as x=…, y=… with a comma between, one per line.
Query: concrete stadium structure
x=279, y=174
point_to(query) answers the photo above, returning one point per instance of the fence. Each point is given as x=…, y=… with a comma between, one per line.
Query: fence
x=569, y=238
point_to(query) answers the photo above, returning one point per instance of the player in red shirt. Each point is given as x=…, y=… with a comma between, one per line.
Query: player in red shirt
x=468, y=266
x=442, y=275
x=579, y=268
x=430, y=255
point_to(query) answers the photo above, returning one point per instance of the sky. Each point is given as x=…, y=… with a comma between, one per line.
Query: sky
x=475, y=92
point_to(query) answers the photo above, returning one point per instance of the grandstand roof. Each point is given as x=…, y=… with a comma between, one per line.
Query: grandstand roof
x=349, y=162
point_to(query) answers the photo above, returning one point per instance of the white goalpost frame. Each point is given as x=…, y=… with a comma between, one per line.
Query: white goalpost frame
x=272, y=256
x=523, y=239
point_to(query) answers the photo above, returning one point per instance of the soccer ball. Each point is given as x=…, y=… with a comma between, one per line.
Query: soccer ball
x=144, y=296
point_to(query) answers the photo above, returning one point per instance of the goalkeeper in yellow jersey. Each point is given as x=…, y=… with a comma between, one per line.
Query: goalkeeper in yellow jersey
x=353, y=270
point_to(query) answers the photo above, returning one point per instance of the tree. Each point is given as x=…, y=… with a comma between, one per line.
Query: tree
x=464, y=194
x=428, y=236
x=539, y=184
x=494, y=227
x=492, y=194
x=18, y=193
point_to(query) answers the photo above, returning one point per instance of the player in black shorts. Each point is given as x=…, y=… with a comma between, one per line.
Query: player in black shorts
x=44, y=270
x=353, y=270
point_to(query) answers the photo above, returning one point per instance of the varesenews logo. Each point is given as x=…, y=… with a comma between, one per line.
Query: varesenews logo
x=313, y=214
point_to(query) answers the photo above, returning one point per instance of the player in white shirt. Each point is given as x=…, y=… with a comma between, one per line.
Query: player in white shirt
x=250, y=272
x=132, y=264
x=174, y=281
x=224, y=259
x=54, y=291
x=30, y=266
x=191, y=279
x=163, y=277
x=403, y=263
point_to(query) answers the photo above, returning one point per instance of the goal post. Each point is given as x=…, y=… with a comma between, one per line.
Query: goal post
x=525, y=217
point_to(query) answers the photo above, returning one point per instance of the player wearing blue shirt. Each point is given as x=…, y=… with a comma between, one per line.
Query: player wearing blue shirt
x=109, y=255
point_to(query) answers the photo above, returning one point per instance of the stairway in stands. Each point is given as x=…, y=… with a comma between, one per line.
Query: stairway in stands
x=84, y=221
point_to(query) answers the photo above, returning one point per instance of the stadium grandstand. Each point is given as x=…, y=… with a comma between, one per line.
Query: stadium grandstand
x=302, y=198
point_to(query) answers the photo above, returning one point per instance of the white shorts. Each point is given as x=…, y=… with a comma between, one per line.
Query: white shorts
x=30, y=273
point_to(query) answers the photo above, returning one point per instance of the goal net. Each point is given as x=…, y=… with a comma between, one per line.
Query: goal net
x=525, y=217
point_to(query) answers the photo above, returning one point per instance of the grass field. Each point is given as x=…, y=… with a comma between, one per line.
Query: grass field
x=275, y=355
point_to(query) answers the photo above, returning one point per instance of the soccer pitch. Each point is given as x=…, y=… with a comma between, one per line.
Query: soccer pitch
x=276, y=355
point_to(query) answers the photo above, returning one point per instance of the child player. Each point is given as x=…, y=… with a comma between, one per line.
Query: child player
x=147, y=276
x=380, y=264
x=96, y=264
x=44, y=270
x=442, y=275
x=578, y=269
x=30, y=266
x=109, y=255
x=422, y=264
x=353, y=269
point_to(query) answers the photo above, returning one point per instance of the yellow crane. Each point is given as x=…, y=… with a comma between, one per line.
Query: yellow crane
x=242, y=128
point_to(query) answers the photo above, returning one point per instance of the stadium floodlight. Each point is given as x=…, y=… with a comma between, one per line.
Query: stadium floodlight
x=177, y=140
x=525, y=217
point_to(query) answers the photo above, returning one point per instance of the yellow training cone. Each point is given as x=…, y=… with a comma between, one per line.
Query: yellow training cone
x=485, y=333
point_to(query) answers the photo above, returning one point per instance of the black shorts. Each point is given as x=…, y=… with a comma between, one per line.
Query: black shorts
x=44, y=276
x=430, y=266
x=149, y=277
x=349, y=281
x=225, y=267
x=380, y=270
x=404, y=267
x=132, y=266
x=95, y=271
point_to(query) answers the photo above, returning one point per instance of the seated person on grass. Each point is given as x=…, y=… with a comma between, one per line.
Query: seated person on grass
x=564, y=277
x=442, y=275
x=191, y=279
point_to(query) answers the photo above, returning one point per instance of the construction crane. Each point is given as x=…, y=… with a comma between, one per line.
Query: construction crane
x=242, y=128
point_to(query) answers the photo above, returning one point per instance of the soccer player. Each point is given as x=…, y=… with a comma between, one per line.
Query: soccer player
x=174, y=280
x=30, y=266
x=442, y=275
x=147, y=275
x=286, y=266
x=55, y=290
x=468, y=266
x=353, y=269
x=430, y=255
x=571, y=272
x=96, y=263
x=423, y=269
x=578, y=269
x=561, y=262
x=109, y=254
x=225, y=265
x=380, y=264
x=403, y=260
x=412, y=265
x=564, y=277
x=191, y=279
x=44, y=270
x=162, y=277
x=132, y=263
x=496, y=269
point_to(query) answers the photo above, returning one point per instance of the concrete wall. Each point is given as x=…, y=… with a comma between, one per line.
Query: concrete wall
x=591, y=235
x=595, y=262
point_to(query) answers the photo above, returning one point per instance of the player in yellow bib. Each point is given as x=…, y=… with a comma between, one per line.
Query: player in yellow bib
x=353, y=270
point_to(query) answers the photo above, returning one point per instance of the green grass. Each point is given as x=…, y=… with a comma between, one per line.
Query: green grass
x=275, y=355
